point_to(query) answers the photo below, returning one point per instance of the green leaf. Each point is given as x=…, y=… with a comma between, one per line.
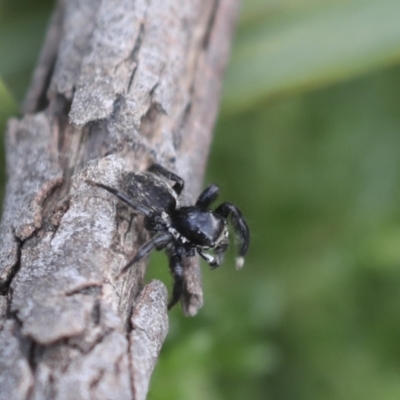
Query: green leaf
x=21, y=38
x=8, y=106
x=305, y=47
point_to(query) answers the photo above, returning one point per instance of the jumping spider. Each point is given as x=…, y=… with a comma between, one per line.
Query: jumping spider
x=181, y=231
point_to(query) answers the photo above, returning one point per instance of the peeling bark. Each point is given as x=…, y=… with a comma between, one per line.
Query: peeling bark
x=119, y=84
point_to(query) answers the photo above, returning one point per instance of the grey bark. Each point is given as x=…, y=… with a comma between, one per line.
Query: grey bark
x=119, y=84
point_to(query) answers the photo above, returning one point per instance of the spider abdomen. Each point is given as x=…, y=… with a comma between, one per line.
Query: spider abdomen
x=151, y=191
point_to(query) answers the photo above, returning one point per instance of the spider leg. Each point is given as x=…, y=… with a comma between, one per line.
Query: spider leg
x=158, y=242
x=227, y=210
x=209, y=194
x=176, y=268
x=213, y=261
x=125, y=198
x=179, y=182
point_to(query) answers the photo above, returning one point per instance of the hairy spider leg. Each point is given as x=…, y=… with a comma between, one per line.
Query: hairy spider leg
x=209, y=194
x=158, y=242
x=176, y=268
x=125, y=198
x=179, y=182
x=227, y=210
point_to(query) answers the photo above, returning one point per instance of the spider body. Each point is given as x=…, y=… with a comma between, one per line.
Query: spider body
x=181, y=231
x=201, y=228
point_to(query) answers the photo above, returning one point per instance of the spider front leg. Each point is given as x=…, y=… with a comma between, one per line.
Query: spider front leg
x=213, y=261
x=158, y=242
x=228, y=210
x=176, y=268
x=209, y=194
x=179, y=182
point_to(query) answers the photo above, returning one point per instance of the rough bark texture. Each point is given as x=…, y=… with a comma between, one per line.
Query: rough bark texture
x=119, y=84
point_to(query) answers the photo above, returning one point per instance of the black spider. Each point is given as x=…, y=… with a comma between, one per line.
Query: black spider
x=181, y=230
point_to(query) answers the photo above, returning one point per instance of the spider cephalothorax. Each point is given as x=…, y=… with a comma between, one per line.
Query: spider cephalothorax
x=181, y=231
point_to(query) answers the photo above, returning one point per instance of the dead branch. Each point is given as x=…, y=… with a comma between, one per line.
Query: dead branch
x=119, y=84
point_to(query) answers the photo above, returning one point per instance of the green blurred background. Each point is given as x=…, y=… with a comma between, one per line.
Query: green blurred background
x=308, y=146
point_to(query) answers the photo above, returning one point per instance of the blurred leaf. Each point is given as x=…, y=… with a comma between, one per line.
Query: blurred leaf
x=316, y=176
x=262, y=10
x=8, y=105
x=7, y=108
x=20, y=40
x=316, y=45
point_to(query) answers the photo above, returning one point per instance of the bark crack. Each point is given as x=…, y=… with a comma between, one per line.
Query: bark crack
x=134, y=55
x=210, y=24
x=86, y=289
x=72, y=342
x=5, y=286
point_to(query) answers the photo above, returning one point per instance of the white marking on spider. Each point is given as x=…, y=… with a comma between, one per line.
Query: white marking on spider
x=177, y=235
x=209, y=258
x=166, y=218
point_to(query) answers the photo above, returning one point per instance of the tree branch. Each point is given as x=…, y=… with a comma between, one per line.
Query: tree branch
x=119, y=85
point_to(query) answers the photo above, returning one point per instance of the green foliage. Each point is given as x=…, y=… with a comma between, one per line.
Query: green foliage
x=294, y=45
x=314, y=312
x=22, y=28
x=307, y=146
x=7, y=108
